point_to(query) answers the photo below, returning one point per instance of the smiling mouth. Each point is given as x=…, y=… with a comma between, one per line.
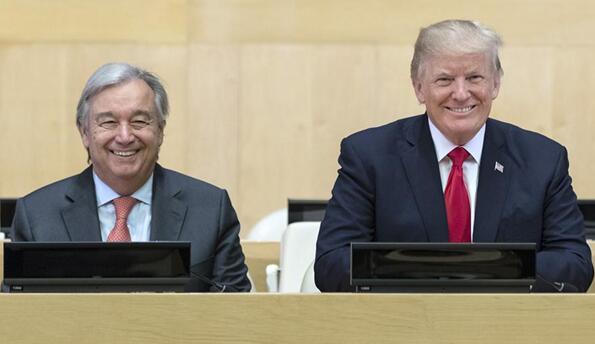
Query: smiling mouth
x=461, y=109
x=124, y=153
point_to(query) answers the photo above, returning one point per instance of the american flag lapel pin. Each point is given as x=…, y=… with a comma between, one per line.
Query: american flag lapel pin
x=498, y=167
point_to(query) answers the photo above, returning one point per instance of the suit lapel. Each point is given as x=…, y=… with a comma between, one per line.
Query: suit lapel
x=168, y=212
x=421, y=167
x=492, y=185
x=80, y=217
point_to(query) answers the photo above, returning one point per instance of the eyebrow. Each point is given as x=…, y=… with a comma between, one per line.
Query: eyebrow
x=104, y=114
x=475, y=71
x=143, y=113
x=442, y=75
x=136, y=113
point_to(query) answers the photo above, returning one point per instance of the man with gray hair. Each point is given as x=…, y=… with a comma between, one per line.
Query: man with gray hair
x=454, y=175
x=125, y=195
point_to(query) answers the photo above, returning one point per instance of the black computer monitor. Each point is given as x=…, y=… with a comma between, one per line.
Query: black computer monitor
x=299, y=210
x=442, y=267
x=153, y=266
x=7, y=208
x=587, y=207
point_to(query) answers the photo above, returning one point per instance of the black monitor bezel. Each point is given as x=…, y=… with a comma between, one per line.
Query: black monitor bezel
x=442, y=285
x=13, y=282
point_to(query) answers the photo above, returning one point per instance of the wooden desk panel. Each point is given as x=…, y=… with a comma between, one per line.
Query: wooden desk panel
x=305, y=318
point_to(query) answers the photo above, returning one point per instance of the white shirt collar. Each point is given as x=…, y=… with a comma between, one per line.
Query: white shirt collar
x=443, y=146
x=105, y=194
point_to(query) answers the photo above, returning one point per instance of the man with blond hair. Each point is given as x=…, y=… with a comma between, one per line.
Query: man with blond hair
x=454, y=175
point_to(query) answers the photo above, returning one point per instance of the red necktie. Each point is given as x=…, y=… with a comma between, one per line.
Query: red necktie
x=120, y=231
x=458, y=211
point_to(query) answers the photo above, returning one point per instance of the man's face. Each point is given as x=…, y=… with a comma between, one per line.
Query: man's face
x=458, y=93
x=122, y=135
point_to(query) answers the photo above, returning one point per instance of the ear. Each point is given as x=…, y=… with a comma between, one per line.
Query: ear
x=419, y=93
x=496, y=88
x=161, y=129
x=84, y=132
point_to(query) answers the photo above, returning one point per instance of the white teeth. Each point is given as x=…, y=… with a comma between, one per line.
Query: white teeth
x=463, y=109
x=128, y=153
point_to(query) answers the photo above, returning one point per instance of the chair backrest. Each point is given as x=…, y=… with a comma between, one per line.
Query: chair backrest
x=270, y=227
x=308, y=283
x=297, y=253
x=592, y=247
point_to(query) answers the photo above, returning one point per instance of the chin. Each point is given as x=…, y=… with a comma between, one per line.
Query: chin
x=462, y=135
x=125, y=173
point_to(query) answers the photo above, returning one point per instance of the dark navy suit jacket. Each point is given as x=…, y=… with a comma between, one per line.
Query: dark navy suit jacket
x=389, y=189
x=182, y=209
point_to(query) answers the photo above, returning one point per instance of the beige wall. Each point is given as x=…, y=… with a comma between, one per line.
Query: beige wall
x=262, y=91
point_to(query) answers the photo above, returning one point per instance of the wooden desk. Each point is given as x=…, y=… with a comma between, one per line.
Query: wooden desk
x=295, y=318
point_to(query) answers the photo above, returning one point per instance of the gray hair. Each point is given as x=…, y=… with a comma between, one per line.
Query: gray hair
x=453, y=37
x=112, y=74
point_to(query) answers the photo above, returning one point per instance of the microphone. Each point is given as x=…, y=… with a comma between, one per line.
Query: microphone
x=543, y=285
x=219, y=287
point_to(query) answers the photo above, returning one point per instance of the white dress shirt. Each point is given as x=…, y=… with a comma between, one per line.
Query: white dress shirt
x=139, y=219
x=470, y=166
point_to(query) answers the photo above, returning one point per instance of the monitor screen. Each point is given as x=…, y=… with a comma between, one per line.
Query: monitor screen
x=7, y=209
x=299, y=210
x=587, y=207
x=442, y=266
x=30, y=265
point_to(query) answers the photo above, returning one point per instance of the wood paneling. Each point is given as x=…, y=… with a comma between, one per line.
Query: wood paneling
x=527, y=22
x=93, y=21
x=573, y=113
x=274, y=124
x=212, y=126
x=262, y=91
x=306, y=318
x=39, y=139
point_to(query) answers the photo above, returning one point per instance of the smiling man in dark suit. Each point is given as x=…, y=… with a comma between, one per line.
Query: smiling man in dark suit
x=454, y=175
x=125, y=195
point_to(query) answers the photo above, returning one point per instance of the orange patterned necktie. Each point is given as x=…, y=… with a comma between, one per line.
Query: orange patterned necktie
x=456, y=199
x=120, y=231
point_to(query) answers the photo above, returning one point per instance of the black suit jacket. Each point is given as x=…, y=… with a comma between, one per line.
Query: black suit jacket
x=389, y=189
x=183, y=209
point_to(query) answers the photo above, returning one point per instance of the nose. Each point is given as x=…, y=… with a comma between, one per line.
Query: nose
x=461, y=90
x=124, y=134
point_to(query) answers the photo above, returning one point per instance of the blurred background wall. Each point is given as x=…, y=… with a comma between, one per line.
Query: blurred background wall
x=262, y=91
